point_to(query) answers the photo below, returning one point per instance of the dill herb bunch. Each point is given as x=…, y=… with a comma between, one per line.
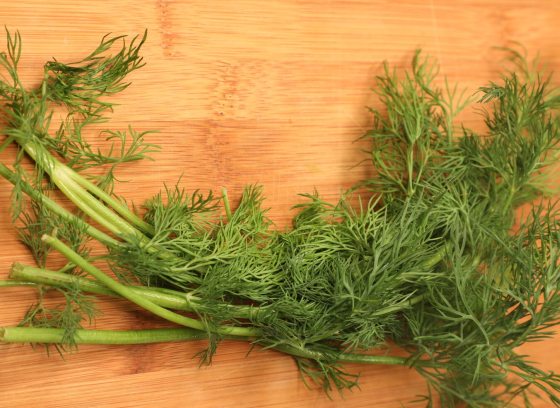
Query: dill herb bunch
x=427, y=260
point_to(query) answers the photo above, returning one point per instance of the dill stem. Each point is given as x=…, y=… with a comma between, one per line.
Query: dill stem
x=225, y=200
x=39, y=276
x=145, y=336
x=139, y=300
x=112, y=202
x=56, y=208
x=428, y=264
x=90, y=205
x=61, y=175
x=370, y=359
x=52, y=166
x=178, y=301
x=343, y=357
x=14, y=283
x=82, y=336
x=171, y=299
x=104, y=216
x=410, y=167
x=397, y=308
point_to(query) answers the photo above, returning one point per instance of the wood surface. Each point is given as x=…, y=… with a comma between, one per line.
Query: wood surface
x=247, y=91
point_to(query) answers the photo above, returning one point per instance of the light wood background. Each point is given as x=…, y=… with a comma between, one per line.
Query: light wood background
x=246, y=91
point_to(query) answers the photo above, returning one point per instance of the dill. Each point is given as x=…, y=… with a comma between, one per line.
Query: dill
x=426, y=260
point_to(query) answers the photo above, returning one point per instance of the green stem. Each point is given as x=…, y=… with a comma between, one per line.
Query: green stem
x=369, y=359
x=13, y=283
x=139, y=300
x=30, y=274
x=397, y=308
x=53, y=167
x=225, y=200
x=110, y=220
x=112, y=202
x=438, y=256
x=343, y=357
x=170, y=299
x=113, y=222
x=410, y=167
x=55, y=208
x=123, y=337
x=35, y=335
x=71, y=184
x=90, y=205
x=428, y=264
x=47, y=335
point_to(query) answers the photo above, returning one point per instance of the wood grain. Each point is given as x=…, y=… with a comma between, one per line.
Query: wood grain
x=270, y=92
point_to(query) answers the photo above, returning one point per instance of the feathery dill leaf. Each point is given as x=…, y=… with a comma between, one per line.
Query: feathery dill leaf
x=427, y=259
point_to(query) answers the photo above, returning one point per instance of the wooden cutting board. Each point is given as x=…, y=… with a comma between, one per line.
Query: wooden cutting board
x=247, y=91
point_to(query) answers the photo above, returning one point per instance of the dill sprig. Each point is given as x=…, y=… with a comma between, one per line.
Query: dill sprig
x=425, y=258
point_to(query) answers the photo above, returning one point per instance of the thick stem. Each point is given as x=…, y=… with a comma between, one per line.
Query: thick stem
x=397, y=308
x=113, y=203
x=139, y=300
x=428, y=264
x=170, y=299
x=110, y=220
x=33, y=275
x=123, y=337
x=46, y=335
x=55, y=168
x=65, y=180
x=369, y=359
x=15, y=284
x=438, y=256
x=90, y=205
x=343, y=357
x=225, y=200
x=57, y=209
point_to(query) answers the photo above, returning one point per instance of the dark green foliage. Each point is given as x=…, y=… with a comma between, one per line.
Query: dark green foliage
x=426, y=258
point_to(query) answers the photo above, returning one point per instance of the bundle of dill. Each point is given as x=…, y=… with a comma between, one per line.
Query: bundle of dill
x=427, y=260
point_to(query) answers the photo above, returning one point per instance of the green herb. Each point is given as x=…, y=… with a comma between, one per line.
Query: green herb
x=427, y=259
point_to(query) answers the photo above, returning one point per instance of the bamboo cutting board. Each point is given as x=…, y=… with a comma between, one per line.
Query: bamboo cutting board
x=270, y=92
